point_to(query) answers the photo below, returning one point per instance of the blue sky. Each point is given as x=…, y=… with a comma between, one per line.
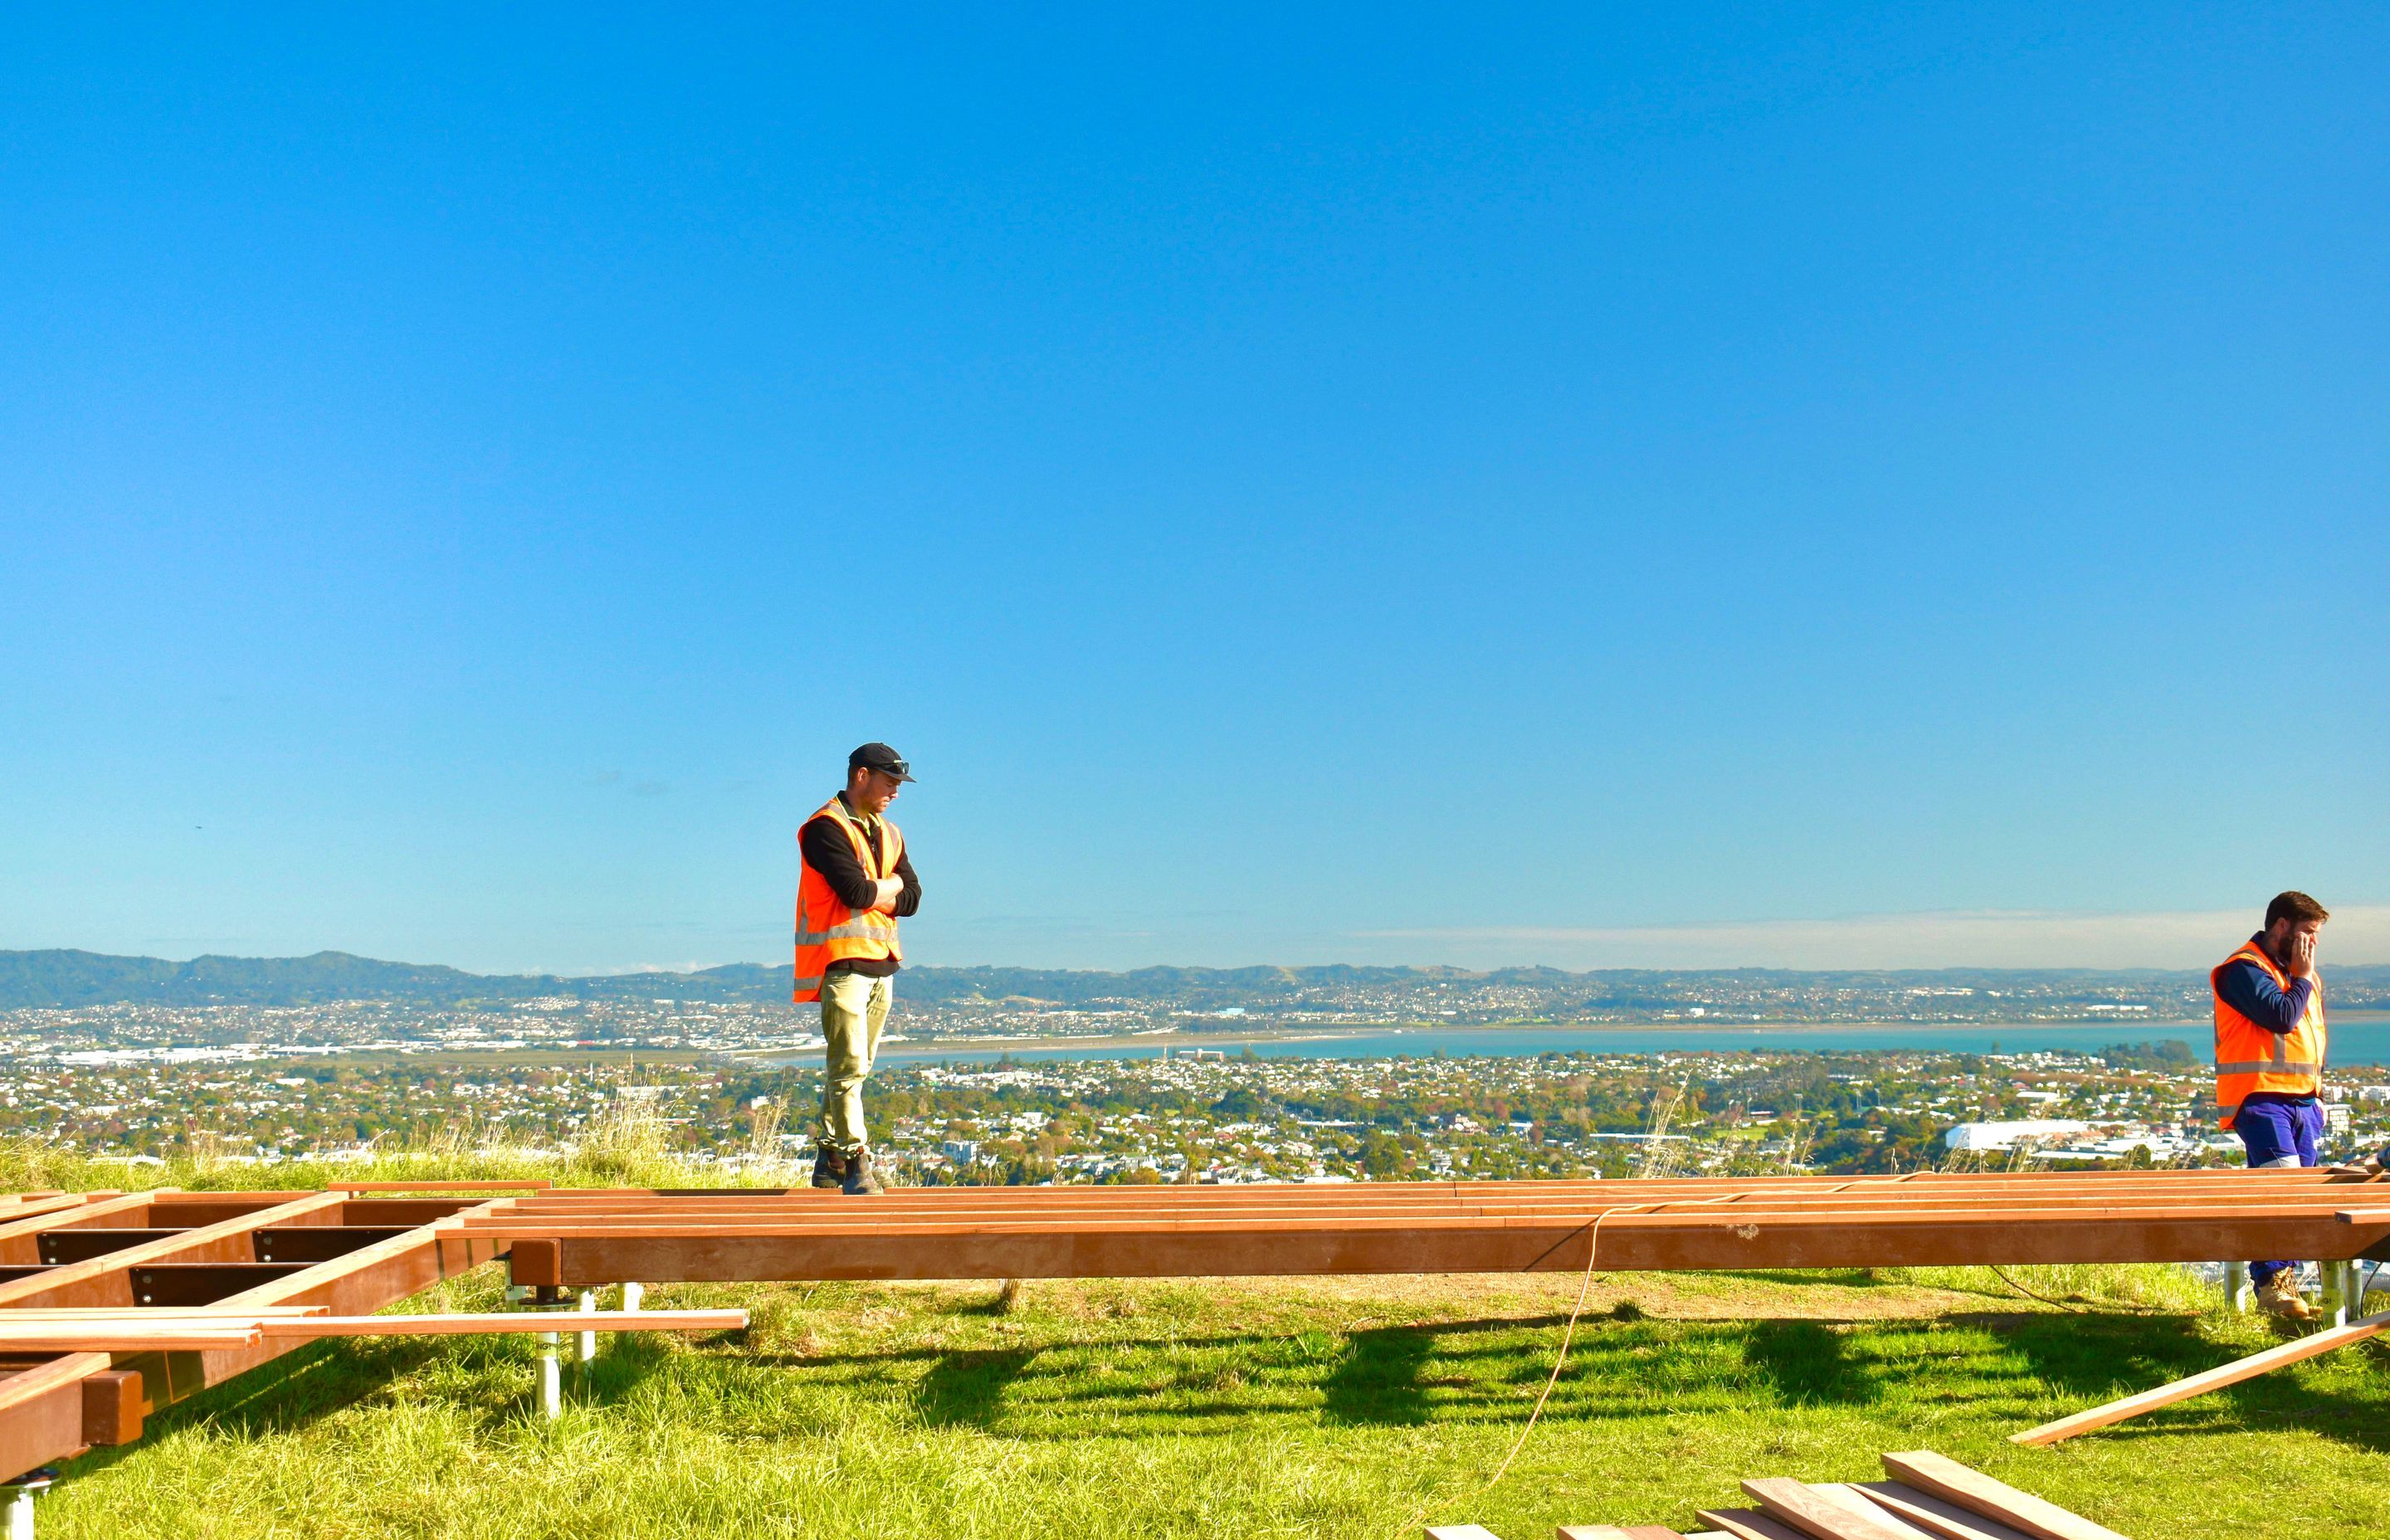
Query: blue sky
x=1592, y=486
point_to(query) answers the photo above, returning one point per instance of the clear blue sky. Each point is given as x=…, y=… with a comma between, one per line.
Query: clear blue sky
x=1585, y=484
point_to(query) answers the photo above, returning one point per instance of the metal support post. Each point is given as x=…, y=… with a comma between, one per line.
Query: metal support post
x=551, y=1375
x=632, y=1294
x=2343, y=1284
x=2236, y=1286
x=551, y=1343
x=20, y=1501
x=589, y=1339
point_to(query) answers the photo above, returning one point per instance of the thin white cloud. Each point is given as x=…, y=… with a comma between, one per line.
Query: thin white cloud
x=1979, y=938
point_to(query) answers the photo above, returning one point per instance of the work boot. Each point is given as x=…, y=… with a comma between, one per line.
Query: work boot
x=2279, y=1296
x=830, y=1168
x=860, y=1180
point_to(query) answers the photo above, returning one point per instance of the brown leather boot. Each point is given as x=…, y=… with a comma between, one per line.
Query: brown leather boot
x=830, y=1168
x=861, y=1180
x=2280, y=1297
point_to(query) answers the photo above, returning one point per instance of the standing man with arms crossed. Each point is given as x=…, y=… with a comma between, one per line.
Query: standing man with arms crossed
x=855, y=880
x=2269, y=1057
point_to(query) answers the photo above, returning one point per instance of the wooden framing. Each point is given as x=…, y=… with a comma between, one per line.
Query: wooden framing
x=279, y=1256
x=53, y=1406
x=578, y=1239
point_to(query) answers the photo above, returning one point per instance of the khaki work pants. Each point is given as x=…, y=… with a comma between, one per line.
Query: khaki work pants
x=855, y=1006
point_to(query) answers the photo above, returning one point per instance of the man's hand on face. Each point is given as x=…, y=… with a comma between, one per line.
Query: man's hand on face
x=2301, y=962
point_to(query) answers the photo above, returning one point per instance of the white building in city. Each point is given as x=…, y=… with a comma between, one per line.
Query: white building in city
x=2004, y=1135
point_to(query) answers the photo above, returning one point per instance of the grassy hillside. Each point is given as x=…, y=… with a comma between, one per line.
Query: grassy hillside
x=1338, y=1407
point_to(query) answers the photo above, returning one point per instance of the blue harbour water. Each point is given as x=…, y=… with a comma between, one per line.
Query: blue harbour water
x=2356, y=1038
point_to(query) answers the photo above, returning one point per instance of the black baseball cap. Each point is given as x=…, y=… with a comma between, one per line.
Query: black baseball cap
x=879, y=757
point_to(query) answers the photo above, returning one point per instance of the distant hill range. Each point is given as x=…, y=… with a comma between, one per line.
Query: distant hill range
x=65, y=978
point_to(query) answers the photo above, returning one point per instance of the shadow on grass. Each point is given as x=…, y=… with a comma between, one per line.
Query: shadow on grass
x=967, y=1388
x=2092, y=1354
x=2099, y=1360
x=286, y=1395
x=1839, y=1277
x=1988, y=1366
x=292, y=1392
x=1809, y=1361
x=1376, y=1382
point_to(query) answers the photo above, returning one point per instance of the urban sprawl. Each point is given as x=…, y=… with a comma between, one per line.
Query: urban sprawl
x=730, y=1085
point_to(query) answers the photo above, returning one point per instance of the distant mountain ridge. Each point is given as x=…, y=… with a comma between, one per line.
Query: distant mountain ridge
x=60, y=978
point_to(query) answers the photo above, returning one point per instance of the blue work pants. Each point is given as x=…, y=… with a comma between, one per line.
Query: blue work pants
x=2278, y=1134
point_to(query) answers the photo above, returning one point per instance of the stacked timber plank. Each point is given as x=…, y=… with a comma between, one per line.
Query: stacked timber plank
x=576, y=1238
x=1929, y=1498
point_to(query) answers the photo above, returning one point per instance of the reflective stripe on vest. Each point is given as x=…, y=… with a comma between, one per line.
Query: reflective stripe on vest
x=828, y=932
x=2251, y=1059
x=843, y=932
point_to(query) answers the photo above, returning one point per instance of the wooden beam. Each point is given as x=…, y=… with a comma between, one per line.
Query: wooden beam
x=1751, y=1523
x=1937, y=1516
x=1993, y=1499
x=1851, y=1499
x=126, y=1337
x=106, y=1279
x=20, y=1236
x=695, y=1251
x=533, y=1183
x=516, y=1321
x=41, y=1412
x=2207, y=1379
x=111, y=1407
x=1822, y=1516
x=357, y=1283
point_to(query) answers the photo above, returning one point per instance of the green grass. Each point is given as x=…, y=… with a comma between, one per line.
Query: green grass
x=1331, y=1408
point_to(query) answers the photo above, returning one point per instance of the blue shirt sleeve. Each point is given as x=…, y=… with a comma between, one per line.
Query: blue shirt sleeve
x=2247, y=989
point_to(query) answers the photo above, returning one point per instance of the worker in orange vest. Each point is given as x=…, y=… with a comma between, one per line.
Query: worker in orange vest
x=856, y=880
x=2269, y=1059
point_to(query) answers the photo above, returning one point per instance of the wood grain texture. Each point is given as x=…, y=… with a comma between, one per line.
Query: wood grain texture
x=1751, y=1523
x=1937, y=1516
x=1816, y=1514
x=1993, y=1499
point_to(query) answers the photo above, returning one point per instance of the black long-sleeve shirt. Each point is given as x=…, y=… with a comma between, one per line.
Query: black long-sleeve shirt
x=825, y=849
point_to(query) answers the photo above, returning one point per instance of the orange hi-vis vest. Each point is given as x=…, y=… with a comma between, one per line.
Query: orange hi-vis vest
x=2251, y=1059
x=828, y=931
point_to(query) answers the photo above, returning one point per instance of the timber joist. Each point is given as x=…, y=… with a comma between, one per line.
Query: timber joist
x=109, y=1258
x=231, y=1273
x=573, y=1240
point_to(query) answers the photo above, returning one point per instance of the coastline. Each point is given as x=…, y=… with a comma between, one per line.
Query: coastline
x=1389, y=1037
